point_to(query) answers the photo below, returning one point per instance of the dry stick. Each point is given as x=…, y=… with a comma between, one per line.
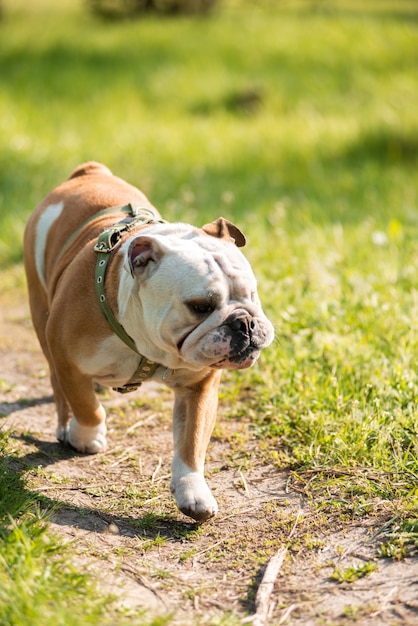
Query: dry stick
x=123, y=458
x=141, y=422
x=244, y=482
x=157, y=469
x=262, y=599
x=298, y=516
x=152, y=499
x=286, y=614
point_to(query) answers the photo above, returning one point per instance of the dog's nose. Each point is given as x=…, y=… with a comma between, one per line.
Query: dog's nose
x=242, y=323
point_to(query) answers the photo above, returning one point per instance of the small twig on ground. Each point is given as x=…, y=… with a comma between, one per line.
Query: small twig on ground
x=123, y=458
x=144, y=582
x=287, y=613
x=152, y=499
x=213, y=545
x=298, y=516
x=244, y=482
x=163, y=477
x=242, y=512
x=262, y=599
x=141, y=422
x=64, y=487
x=157, y=469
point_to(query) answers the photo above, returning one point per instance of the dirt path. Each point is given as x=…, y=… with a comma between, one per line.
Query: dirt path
x=128, y=533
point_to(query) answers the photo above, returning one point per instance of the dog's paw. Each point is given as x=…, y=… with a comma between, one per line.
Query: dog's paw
x=193, y=496
x=62, y=434
x=88, y=439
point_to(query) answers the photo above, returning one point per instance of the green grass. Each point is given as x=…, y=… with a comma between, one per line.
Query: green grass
x=351, y=574
x=321, y=176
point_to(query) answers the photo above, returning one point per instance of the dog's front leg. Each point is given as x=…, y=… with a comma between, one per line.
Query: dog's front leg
x=194, y=418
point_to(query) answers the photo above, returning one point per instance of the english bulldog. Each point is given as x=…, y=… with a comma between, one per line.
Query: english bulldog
x=119, y=296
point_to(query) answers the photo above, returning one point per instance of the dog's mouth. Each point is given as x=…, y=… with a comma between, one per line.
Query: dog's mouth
x=241, y=351
x=181, y=342
x=184, y=337
x=240, y=360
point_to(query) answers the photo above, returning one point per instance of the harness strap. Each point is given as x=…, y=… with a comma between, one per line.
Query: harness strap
x=107, y=241
x=128, y=209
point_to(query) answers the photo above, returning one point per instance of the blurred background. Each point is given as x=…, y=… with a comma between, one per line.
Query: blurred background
x=271, y=112
x=298, y=120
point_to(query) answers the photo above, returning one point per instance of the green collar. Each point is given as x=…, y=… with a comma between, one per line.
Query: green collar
x=106, y=243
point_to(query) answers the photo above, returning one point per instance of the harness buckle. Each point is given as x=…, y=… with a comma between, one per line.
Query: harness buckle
x=127, y=388
x=110, y=238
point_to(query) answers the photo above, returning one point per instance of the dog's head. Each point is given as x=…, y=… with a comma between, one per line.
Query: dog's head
x=198, y=295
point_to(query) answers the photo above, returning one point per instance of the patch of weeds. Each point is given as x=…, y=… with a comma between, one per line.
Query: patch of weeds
x=351, y=574
x=51, y=477
x=123, y=553
x=194, y=592
x=312, y=542
x=148, y=522
x=162, y=523
x=395, y=549
x=402, y=541
x=188, y=554
x=132, y=497
x=138, y=496
x=161, y=574
x=355, y=612
x=95, y=491
x=155, y=542
x=410, y=528
x=187, y=532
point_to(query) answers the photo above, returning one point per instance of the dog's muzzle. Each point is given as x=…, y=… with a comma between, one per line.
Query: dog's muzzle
x=247, y=335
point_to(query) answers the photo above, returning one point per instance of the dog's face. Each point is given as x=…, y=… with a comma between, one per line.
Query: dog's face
x=198, y=296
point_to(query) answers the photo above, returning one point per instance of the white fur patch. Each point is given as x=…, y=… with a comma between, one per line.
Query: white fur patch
x=48, y=217
x=90, y=439
x=193, y=496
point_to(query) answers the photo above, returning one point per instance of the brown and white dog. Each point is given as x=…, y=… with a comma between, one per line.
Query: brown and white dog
x=183, y=298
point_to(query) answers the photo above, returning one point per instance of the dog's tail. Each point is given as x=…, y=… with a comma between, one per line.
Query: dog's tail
x=91, y=167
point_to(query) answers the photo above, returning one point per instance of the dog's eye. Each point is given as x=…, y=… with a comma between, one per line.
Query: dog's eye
x=201, y=308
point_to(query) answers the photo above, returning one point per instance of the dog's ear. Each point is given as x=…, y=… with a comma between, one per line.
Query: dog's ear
x=144, y=255
x=224, y=229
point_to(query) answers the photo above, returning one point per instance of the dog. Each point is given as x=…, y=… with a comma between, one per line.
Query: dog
x=119, y=296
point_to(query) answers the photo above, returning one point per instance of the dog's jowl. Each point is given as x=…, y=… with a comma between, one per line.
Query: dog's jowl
x=119, y=296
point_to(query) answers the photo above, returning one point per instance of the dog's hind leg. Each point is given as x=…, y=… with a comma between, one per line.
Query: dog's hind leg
x=86, y=431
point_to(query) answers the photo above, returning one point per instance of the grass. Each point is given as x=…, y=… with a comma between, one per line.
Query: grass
x=320, y=174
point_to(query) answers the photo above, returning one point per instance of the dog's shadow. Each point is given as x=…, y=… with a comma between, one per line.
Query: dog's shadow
x=149, y=526
x=7, y=408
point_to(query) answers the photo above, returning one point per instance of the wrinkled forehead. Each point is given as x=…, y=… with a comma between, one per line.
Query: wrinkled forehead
x=228, y=257
x=226, y=270
x=212, y=265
